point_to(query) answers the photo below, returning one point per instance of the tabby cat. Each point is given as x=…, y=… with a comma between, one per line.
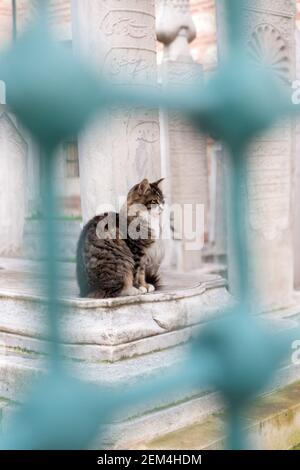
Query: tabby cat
x=114, y=250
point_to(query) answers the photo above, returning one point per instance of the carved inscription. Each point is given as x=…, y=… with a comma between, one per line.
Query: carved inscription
x=126, y=65
x=269, y=162
x=189, y=181
x=120, y=37
x=127, y=24
x=283, y=6
x=143, y=138
x=269, y=183
x=188, y=159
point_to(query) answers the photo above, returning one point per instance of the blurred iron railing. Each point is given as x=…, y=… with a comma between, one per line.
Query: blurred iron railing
x=54, y=96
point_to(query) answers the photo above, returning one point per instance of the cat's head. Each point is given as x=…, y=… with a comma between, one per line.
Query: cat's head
x=148, y=196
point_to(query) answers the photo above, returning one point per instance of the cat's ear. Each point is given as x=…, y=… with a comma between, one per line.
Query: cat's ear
x=144, y=186
x=157, y=183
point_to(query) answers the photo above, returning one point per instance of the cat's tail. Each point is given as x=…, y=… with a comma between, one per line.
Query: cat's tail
x=98, y=294
x=80, y=267
x=154, y=279
x=105, y=293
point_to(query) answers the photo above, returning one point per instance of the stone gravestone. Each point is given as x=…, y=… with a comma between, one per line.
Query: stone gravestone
x=186, y=148
x=13, y=154
x=217, y=251
x=2, y=93
x=118, y=39
x=269, y=37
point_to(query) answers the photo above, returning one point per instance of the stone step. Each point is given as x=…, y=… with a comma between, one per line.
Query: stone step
x=108, y=329
x=7, y=408
x=119, y=341
x=272, y=423
x=111, y=341
x=199, y=422
x=145, y=421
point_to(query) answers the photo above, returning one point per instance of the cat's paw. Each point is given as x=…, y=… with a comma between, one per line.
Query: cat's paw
x=130, y=291
x=143, y=289
x=150, y=288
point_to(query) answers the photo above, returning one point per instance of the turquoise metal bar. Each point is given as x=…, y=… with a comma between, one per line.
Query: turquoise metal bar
x=54, y=96
x=14, y=18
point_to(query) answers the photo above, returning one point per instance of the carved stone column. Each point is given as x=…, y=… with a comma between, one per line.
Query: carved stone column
x=185, y=148
x=13, y=152
x=269, y=38
x=217, y=250
x=117, y=38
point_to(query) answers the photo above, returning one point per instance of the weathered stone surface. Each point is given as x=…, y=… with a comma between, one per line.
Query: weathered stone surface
x=185, y=149
x=118, y=38
x=108, y=329
x=217, y=247
x=146, y=421
x=13, y=153
x=267, y=182
x=148, y=334
x=272, y=424
x=114, y=341
x=128, y=434
x=2, y=93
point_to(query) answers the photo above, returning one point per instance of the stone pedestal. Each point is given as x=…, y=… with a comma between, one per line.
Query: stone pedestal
x=185, y=147
x=116, y=342
x=267, y=183
x=217, y=248
x=118, y=39
x=269, y=231
x=13, y=154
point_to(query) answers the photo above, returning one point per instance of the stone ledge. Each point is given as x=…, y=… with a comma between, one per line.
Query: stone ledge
x=119, y=341
x=144, y=421
x=108, y=329
x=273, y=423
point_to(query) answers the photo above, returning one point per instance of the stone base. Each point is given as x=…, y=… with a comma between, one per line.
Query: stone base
x=106, y=341
x=272, y=423
x=108, y=329
x=116, y=341
x=195, y=411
